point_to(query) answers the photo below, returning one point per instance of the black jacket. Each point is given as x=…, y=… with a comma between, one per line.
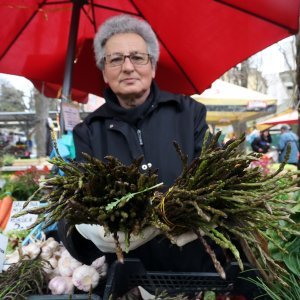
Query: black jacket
x=167, y=118
x=262, y=142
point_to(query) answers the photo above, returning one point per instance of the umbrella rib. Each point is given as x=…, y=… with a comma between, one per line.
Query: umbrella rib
x=292, y=30
x=93, y=21
x=93, y=18
x=21, y=30
x=59, y=2
x=115, y=9
x=169, y=52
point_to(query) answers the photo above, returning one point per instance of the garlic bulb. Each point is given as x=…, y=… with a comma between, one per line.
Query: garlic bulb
x=50, y=265
x=60, y=285
x=100, y=266
x=85, y=277
x=31, y=250
x=98, y=263
x=58, y=252
x=53, y=244
x=67, y=264
x=47, y=252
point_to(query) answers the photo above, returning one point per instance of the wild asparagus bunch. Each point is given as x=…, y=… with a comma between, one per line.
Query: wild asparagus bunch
x=24, y=278
x=219, y=196
x=106, y=193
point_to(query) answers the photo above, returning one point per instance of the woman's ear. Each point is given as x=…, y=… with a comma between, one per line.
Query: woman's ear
x=153, y=72
x=104, y=77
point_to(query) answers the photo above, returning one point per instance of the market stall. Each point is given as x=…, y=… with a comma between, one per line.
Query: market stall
x=224, y=200
x=228, y=103
x=290, y=116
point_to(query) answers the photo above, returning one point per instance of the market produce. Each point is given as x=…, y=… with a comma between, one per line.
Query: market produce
x=219, y=196
x=61, y=285
x=85, y=277
x=107, y=193
x=53, y=269
x=67, y=264
x=276, y=290
x=5, y=210
x=22, y=279
x=22, y=184
x=15, y=237
x=67, y=273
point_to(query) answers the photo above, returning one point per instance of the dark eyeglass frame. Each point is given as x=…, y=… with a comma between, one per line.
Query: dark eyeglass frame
x=130, y=56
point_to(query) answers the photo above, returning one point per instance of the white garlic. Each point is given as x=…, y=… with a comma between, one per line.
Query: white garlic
x=47, y=252
x=85, y=277
x=99, y=262
x=67, y=264
x=57, y=253
x=103, y=271
x=54, y=245
x=31, y=250
x=60, y=285
x=100, y=266
x=50, y=265
x=54, y=273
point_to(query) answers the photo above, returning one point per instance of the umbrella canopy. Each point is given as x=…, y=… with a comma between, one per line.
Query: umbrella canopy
x=289, y=116
x=228, y=103
x=51, y=40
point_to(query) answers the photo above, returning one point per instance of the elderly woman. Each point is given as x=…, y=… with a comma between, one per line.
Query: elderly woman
x=138, y=119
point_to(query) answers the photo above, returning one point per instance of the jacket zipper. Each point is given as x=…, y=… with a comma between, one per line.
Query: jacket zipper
x=139, y=134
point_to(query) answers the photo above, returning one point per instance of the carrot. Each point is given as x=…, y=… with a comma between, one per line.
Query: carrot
x=5, y=220
x=6, y=207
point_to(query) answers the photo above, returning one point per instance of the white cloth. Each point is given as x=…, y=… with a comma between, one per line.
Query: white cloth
x=106, y=243
x=185, y=238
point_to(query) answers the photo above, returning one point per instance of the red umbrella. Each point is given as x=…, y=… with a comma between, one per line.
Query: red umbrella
x=48, y=40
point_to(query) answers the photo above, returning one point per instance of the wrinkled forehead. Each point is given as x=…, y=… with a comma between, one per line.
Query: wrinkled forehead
x=125, y=43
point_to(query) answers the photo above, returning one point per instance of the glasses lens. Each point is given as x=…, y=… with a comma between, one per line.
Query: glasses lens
x=114, y=59
x=139, y=58
x=118, y=59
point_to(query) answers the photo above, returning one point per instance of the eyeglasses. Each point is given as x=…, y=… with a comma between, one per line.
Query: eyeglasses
x=118, y=59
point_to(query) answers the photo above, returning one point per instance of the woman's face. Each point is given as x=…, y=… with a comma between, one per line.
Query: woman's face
x=265, y=133
x=128, y=81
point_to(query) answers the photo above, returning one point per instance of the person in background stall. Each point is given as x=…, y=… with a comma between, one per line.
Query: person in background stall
x=49, y=144
x=262, y=143
x=288, y=137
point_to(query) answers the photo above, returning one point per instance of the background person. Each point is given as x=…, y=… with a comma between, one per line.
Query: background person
x=288, y=137
x=262, y=143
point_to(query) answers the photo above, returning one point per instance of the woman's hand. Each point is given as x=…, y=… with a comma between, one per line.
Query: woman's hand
x=185, y=238
x=106, y=242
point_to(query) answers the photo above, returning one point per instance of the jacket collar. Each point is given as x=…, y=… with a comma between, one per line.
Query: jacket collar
x=160, y=97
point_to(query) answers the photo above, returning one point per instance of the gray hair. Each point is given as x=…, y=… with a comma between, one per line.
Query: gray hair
x=285, y=127
x=125, y=24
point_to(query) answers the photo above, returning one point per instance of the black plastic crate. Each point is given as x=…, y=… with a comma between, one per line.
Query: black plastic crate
x=65, y=297
x=123, y=277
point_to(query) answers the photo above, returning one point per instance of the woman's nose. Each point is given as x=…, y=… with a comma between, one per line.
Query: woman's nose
x=128, y=65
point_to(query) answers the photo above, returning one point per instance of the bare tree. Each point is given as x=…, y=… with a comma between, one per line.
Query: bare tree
x=244, y=71
x=298, y=85
x=11, y=99
x=42, y=114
